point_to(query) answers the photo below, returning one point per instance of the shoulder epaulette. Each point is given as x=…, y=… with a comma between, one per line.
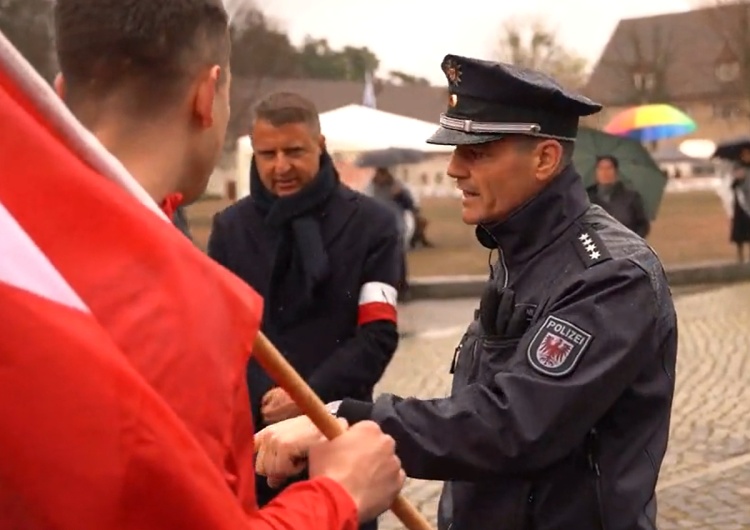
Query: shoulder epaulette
x=590, y=247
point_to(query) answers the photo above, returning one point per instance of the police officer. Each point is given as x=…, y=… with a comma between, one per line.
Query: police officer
x=559, y=412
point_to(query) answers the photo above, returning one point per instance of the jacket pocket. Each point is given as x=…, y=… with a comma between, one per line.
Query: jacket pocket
x=523, y=517
x=651, y=516
x=493, y=355
x=528, y=520
x=457, y=353
x=592, y=454
x=462, y=366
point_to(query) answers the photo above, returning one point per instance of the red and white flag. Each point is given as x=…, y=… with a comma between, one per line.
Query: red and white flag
x=87, y=444
x=184, y=323
x=123, y=402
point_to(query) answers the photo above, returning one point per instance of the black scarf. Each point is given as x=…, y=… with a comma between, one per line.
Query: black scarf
x=301, y=262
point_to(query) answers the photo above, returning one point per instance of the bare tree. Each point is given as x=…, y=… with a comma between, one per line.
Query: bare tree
x=261, y=50
x=402, y=78
x=532, y=43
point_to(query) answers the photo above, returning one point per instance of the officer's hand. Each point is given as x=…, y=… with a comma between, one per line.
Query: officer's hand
x=282, y=448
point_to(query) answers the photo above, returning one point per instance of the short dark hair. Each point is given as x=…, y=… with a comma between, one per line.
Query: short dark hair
x=611, y=159
x=150, y=48
x=530, y=142
x=283, y=108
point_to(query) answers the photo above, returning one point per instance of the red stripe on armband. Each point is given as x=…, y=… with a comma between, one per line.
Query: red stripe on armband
x=377, y=301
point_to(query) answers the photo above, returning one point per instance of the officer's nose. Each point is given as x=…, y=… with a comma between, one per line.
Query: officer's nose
x=456, y=167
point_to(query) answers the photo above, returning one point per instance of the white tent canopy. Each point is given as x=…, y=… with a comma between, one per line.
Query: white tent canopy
x=355, y=128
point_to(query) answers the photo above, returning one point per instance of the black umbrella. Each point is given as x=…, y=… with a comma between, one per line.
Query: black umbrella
x=637, y=167
x=732, y=149
x=393, y=156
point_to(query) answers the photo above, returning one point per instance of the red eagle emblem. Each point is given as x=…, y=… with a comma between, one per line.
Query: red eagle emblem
x=553, y=350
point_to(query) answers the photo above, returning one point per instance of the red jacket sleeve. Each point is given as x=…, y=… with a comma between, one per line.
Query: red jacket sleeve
x=128, y=462
x=318, y=504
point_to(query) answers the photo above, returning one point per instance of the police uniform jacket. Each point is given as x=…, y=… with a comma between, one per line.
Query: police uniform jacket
x=562, y=422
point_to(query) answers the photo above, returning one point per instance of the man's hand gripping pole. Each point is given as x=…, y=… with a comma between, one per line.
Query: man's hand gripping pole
x=310, y=404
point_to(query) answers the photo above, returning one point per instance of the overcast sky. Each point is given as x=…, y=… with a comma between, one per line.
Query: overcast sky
x=414, y=35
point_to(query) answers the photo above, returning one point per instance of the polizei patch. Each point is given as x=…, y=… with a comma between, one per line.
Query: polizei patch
x=557, y=347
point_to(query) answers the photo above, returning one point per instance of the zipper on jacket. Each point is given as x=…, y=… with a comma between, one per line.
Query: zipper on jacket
x=529, y=522
x=474, y=366
x=456, y=353
x=592, y=453
x=504, y=267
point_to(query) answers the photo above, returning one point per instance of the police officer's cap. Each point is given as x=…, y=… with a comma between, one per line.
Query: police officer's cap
x=490, y=100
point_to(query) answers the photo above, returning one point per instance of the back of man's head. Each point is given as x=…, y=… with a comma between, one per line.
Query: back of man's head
x=146, y=51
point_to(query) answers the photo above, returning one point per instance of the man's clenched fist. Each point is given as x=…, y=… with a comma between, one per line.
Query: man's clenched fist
x=362, y=460
x=282, y=448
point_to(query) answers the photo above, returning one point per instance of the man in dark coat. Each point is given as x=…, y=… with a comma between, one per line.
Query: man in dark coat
x=559, y=412
x=392, y=195
x=610, y=193
x=324, y=258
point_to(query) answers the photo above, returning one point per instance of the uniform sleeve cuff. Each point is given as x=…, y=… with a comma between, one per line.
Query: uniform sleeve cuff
x=354, y=411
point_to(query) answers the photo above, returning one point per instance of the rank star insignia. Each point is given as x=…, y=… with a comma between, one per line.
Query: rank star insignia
x=452, y=71
x=590, y=246
x=557, y=347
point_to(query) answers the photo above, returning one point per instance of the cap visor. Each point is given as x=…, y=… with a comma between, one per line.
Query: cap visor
x=445, y=136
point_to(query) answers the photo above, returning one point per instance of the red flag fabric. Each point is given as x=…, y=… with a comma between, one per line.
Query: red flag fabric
x=84, y=438
x=183, y=323
x=87, y=444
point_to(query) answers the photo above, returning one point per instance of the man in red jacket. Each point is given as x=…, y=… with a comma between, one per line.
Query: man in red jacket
x=93, y=446
x=151, y=81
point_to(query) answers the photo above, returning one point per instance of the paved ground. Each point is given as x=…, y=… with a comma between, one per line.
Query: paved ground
x=705, y=480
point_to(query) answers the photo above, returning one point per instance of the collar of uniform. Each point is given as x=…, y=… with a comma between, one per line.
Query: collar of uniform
x=540, y=221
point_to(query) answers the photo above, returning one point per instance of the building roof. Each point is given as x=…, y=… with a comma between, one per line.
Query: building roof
x=681, y=50
x=423, y=102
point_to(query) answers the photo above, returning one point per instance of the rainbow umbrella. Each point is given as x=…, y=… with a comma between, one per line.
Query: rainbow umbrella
x=649, y=123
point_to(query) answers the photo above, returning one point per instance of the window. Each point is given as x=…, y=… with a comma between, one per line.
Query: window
x=728, y=71
x=425, y=179
x=438, y=178
x=405, y=175
x=644, y=80
x=726, y=111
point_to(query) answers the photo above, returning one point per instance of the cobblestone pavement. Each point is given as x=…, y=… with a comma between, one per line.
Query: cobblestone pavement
x=705, y=479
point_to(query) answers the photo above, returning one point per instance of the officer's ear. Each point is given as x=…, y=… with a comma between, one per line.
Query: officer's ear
x=548, y=157
x=322, y=142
